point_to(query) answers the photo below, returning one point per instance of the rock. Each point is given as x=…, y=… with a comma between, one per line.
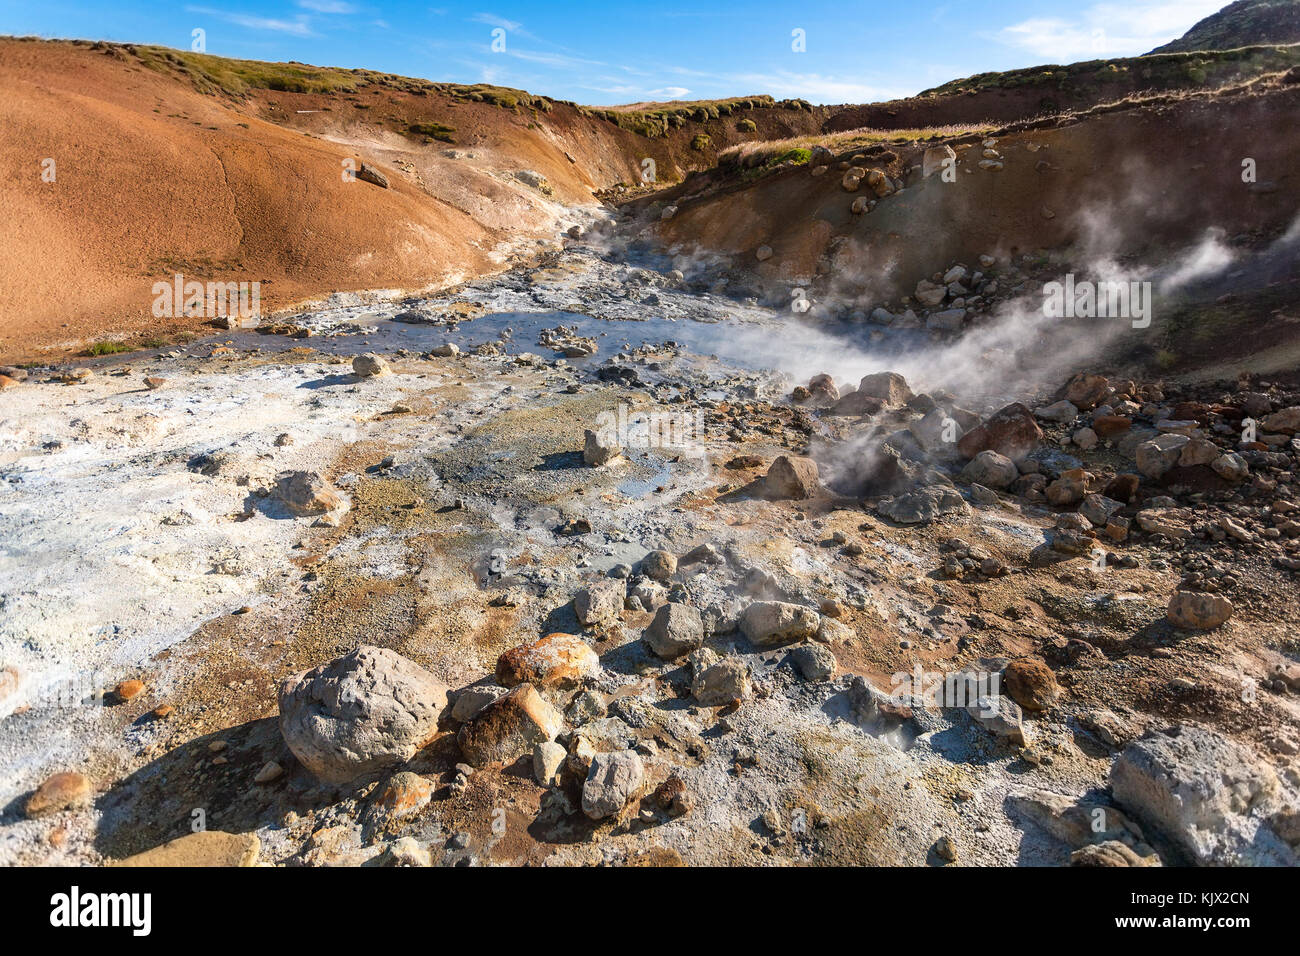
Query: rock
x=446, y=350
x=719, y=682
x=930, y=294
x=1199, y=611
x=473, y=699
x=1287, y=420
x=769, y=623
x=1159, y=454
x=945, y=849
x=763, y=253
x=1110, y=853
x=153, y=382
x=1063, y=412
x=548, y=758
x=510, y=727
x=936, y=158
x=205, y=848
x=600, y=603
x=613, y=780
x=556, y=660
x=667, y=213
x=659, y=566
x=1099, y=509
x=128, y=689
x=1122, y=488
x=596, y=452
x=852, y=179
x=306, y=493
x=369, y=174
x=815, y=662
x=1205, y=793
x=1108, y=426
x=1165, y=521
x=402, y=795
x=889, y=387
x=1231, y=467
x=405, y=851
x=949, y=320
x=1010, y=431
x=922, y=506
x=62, y=791
x=1001, y=717
x=270, y=772
x=370, y=364
x=1087, y=391
x=1198, y=451
x=677, y=629
x=1031, y=683
x=791, y=477
x=359, y=714
x=991, y=469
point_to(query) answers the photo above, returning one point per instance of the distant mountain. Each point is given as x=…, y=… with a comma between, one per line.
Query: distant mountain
x=1245, y=23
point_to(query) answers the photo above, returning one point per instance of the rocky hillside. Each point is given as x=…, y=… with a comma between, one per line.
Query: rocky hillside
x=1244, y=23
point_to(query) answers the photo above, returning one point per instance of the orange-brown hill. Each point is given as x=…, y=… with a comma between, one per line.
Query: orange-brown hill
x=222, y=170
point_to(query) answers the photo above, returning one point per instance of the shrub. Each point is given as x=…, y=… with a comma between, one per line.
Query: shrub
x=747, y=126
x=700, y=142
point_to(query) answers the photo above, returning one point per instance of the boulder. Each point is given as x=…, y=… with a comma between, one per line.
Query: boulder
x=306, y=492
x=1069, y=489
x=990, y=469
x=1231, y=467
x=1198, y=451
x=719, y=682
x=659, y=566
x=359, y=714
x=814, y=662
x=613, y=780
x=597, y=451
x=1010, y=431
x=1159, y=454
x=935, y=159
x=1087, y=391
x=1287, y=420
x=949, y=320
x=370, y=364
x=923, y=505
x=600, y=603
x=769, y=623
x=1204, y=792
x=790, y=477
x=205, y=848
x=1099, y=509
x=510, y=727
x=1062, y=412
x=556, y=660
x=890, y=387
x=930, y=294
x=1196, y=610
x=369, y=174
x=1031, y=683
x=548, y=758
x=62, y=791
x=677, y=629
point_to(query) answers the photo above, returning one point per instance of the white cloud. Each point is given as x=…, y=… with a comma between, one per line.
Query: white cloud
x=327, y=6
x=671, y=92
x=1106, y=29
x=298, y=26
x=808, y=86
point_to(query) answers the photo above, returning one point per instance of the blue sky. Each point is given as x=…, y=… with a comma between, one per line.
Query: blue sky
x=620, y=52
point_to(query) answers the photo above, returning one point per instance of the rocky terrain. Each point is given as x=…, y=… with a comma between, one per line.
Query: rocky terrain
x=759, y=515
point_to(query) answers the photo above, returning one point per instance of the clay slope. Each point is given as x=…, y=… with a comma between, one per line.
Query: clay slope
x=168, y=162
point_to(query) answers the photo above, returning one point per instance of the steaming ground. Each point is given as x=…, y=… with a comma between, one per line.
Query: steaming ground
x=139, y=542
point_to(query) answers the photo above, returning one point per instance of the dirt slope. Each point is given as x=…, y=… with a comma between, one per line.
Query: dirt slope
x=158, y=171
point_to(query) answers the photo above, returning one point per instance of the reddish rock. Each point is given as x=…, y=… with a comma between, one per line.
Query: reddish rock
x=1031, y=683
x=1108, y=426
x=508, y=728
x=556, y=660
x=128, y=689
x=1087, y=391
x=63, y=791
x=1122, y=488
x=1010, y=431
